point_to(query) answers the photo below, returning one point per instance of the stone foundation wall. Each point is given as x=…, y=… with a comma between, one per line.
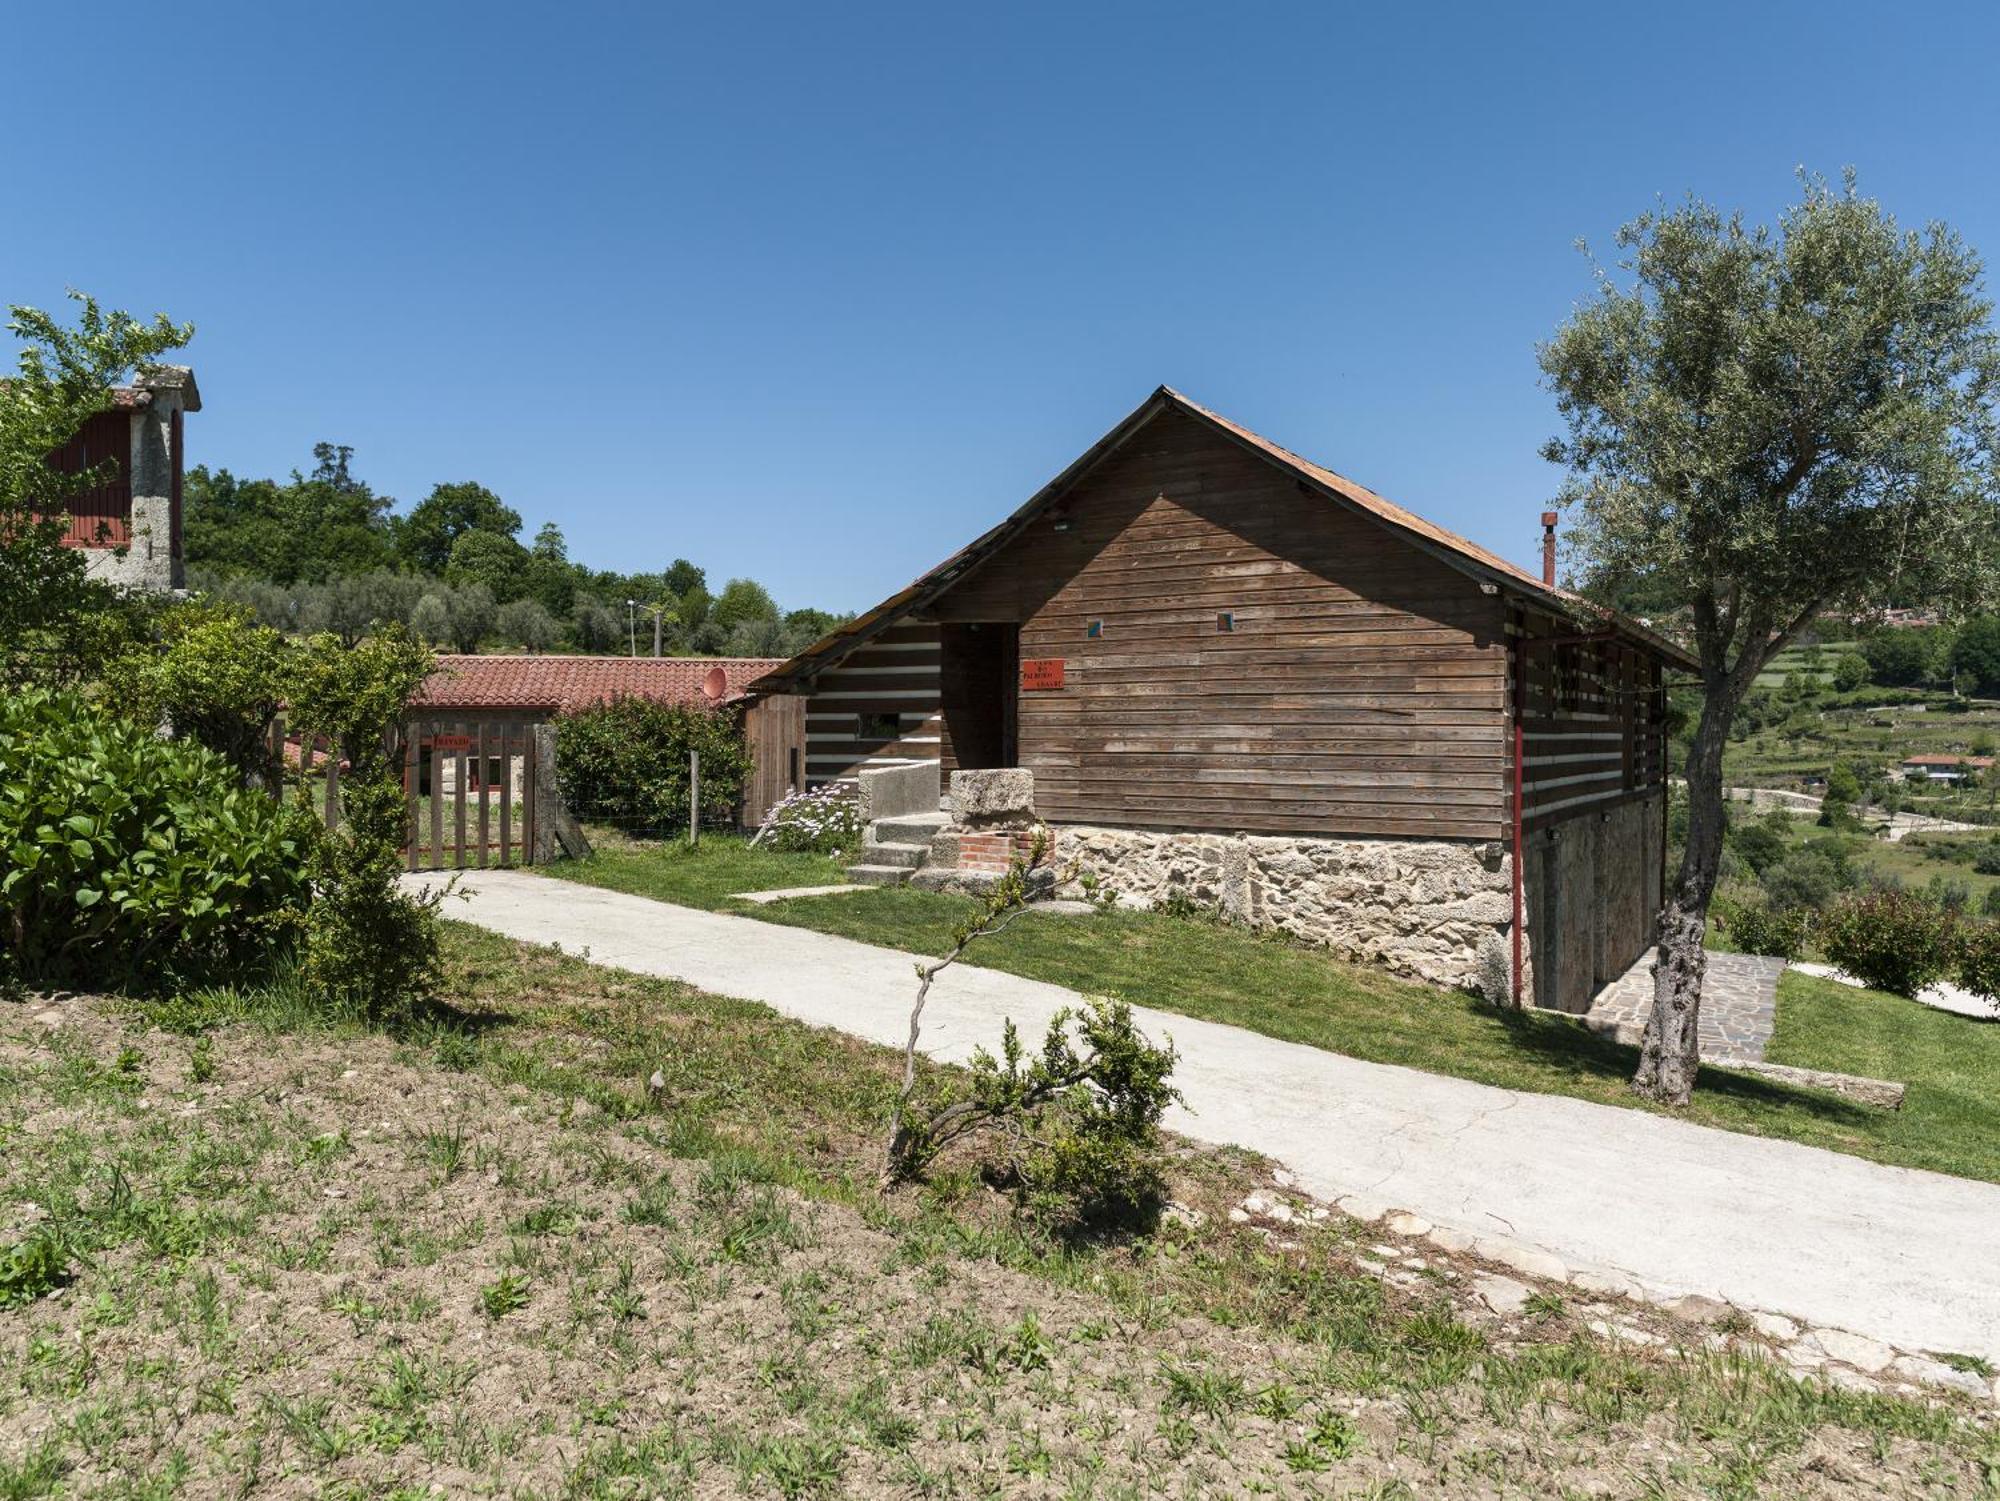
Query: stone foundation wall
x=1425, y=908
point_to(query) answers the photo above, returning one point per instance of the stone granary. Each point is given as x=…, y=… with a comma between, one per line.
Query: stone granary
x=129, y=526
x=1237, y=675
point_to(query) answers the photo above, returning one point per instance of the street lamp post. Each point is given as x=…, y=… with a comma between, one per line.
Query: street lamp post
x=632, y=626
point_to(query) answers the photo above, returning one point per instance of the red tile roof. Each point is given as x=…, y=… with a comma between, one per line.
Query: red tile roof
x=565, y=684
x=1979, y=762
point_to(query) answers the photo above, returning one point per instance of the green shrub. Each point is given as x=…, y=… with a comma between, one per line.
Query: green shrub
x=371, y=948
x=213, y=674
x=1807, y=878
x=1978, y=959
x=1758, y=845
x=1760, y=928
x=625, y=763
x=1074, y=1130
x=1889, y=940
x=1953, y=893
x=128, y=857
x=34, y=1267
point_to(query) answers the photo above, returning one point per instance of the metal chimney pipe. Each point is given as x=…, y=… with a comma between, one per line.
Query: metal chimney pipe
x=1549, y=548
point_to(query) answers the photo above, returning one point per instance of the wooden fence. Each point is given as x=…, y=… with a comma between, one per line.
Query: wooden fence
x=472, y=789
x=311, y=755
x=479, y=790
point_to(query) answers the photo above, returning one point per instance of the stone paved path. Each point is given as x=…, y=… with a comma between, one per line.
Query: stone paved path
x=1739, y=1004
x=1902, y=1255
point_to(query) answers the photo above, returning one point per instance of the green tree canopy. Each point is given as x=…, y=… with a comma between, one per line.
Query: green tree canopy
x=425, y=537
x=682, y=577
x=315, y=527
x=1906, y=658
x=1975, y=653
x=481, y=557
x=1780, y=423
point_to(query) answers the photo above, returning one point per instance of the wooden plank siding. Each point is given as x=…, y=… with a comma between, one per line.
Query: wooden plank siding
x=774, y=732
x=1362, y=688
x=101, y=516
x=1594, y=722
x=893, y=677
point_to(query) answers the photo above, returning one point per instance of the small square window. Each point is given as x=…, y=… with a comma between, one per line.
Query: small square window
x=1225, y=621
x=1094, y=629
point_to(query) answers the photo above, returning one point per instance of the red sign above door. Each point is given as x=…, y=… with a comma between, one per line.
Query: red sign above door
x=1041, y=674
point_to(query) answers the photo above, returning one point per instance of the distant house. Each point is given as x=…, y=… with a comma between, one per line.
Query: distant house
x=467, y=690
x=1944, y=768
x=129, y=527
x=1239, y=675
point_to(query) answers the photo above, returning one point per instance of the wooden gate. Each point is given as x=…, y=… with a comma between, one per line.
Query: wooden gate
x=471, y=789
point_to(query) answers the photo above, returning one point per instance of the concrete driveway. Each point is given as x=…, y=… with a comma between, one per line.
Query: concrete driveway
x=1901, y=1255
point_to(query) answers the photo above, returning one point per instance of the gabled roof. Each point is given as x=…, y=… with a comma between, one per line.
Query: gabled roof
x=565, y=684
x=1466, y=556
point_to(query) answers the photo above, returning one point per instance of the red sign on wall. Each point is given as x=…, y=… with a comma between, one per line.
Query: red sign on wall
x=1041, y=674
x=451, y=742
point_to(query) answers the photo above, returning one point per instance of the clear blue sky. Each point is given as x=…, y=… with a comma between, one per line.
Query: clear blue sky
x=816, y=293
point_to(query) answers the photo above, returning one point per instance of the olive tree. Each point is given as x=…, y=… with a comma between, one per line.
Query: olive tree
x=1772, y=424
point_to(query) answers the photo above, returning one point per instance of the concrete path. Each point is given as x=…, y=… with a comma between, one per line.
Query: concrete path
x=1900, y=1255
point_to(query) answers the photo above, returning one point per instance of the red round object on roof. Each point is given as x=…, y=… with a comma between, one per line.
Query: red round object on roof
x=715, y=683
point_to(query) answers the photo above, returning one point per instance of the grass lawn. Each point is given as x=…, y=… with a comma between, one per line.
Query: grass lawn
x=1950, y=1120
x=1301, y=994
x=479, y=1255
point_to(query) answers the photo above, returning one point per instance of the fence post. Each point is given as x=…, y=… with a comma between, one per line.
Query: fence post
x=556, y=832
x=694, y=797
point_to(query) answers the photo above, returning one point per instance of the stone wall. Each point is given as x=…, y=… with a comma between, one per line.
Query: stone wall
x=148, y=563
x=1424, y=908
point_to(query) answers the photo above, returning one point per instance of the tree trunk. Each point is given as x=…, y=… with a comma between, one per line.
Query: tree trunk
x=1670, y=1052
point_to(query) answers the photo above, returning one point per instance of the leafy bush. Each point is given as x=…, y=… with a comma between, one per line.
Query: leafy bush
x=215, y=676
x=1760, y=928
x=626, y=763
x=1806, y=878
x=1759, y=845
x=1978, y=959
x=1889, y=940
x=128, y=856
x=370, y=947
x=1077, y=1125
x=826, y=821
x=1986, y=858
x=33, y=1267
x=1953, y=893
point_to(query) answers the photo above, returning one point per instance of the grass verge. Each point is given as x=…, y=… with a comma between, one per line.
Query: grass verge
x=484, y=1256
x=1950, y=1122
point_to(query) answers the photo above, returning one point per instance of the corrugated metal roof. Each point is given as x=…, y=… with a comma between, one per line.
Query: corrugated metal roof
x=1447, y=545
x=565, y=684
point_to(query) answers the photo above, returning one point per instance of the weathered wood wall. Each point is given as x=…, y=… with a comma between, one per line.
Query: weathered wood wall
x=102, y=515
x=1361, y=688
x=878, y=707
x=774, y=732
x=1593, y=892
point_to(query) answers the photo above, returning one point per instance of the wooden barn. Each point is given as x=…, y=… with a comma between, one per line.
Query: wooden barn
x=1238, y=674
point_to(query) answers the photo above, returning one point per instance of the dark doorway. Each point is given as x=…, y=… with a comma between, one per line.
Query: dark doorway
x=979, y=672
